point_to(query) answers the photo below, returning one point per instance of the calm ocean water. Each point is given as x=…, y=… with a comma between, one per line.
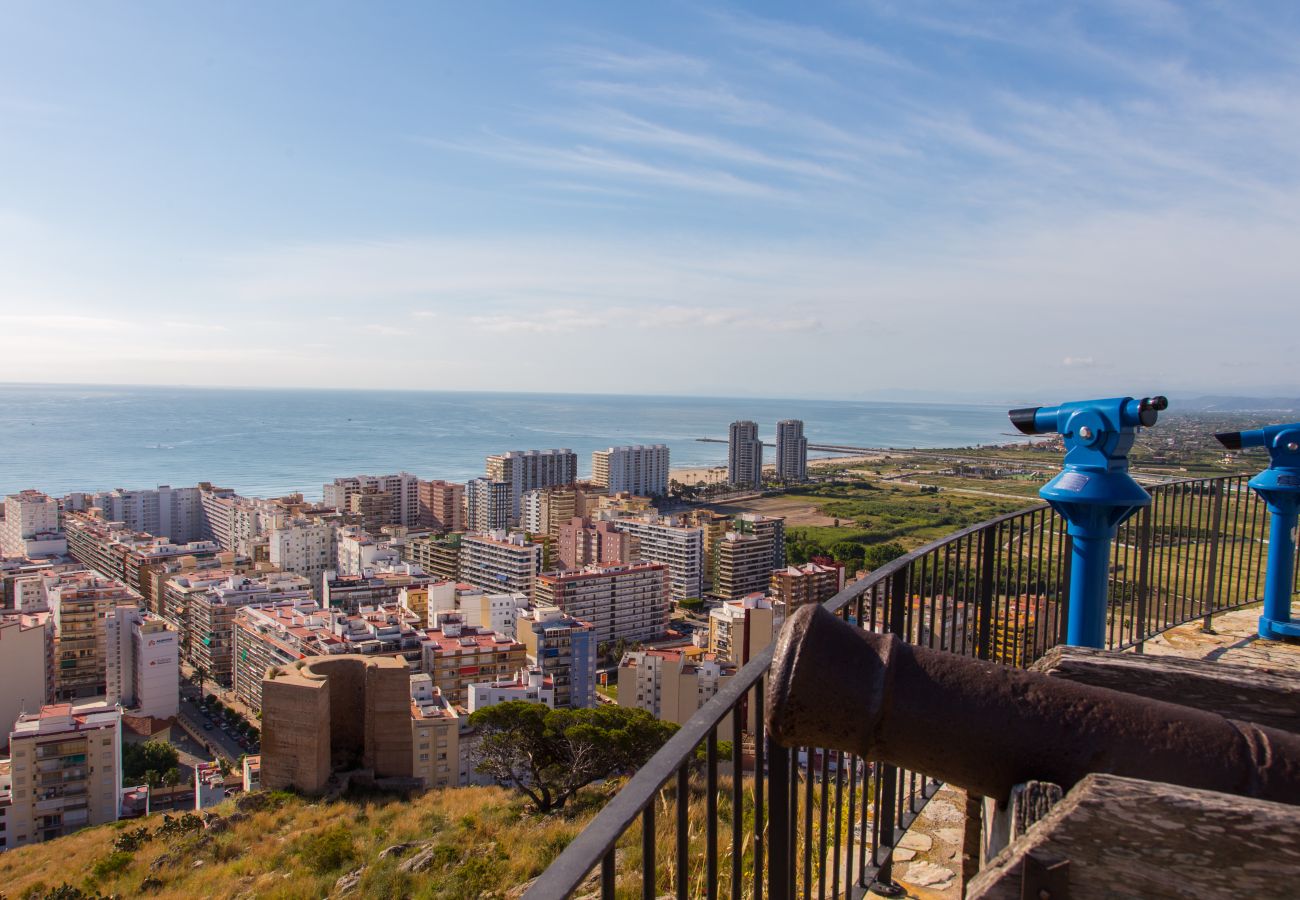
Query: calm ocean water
x=61, y=438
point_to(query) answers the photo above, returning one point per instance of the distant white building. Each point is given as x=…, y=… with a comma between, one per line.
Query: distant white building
x=142, y=663
x=506, y=563
x=304, y=547
x=31, y=526
x=404, y=487
x=530, y=685
x=358, y=551
x=174, y=513
x=526, y=470
x=744, y=455
x=487, y=504
x=641, y=469
x=791, y=451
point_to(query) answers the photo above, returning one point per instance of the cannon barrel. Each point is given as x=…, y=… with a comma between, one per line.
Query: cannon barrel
x=986, y=727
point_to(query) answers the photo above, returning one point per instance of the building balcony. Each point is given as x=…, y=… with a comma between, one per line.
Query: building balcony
x=819, y=822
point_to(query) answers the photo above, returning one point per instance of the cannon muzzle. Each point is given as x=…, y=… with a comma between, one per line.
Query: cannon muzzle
x=987, y=727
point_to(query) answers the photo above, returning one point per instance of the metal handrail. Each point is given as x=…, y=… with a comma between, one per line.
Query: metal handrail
x=987, y=573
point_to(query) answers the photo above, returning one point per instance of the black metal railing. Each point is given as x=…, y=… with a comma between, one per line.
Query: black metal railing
x=778, y=822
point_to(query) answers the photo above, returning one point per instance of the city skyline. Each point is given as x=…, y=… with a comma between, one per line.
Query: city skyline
x=1094, y=193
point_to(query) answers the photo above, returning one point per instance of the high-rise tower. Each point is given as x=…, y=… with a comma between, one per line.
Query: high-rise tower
x=745, y=455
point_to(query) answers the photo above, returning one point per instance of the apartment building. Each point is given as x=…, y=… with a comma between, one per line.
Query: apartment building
x=435, y=735
x=403, y=487
x=380, y=586
x=358, y=551
x=442, y=505
x=65, y=771
x=142, y=663
x=457, y=655
x=740, y=628
x=209, y=636
x=373, y=509
x=582, y=542
x=715, y=525
x=813, y=582
x=791, y=451
x=487, y=504
x=672, y=683
x=115, y=551
x=31, y=526
x=277, y=634
x=530, y=685
x=501, y=562
x=80, y=604
x=307, y=547
x=565, y=648
x=744, y=455
x=747, y=555
x=664, y=540
x=26, y=665
x=176, y=514
x=526, y=470
x=625, y=602
x=438, y=556
x=641, y=470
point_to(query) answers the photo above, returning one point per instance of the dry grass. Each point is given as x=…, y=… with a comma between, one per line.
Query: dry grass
x=484, y=840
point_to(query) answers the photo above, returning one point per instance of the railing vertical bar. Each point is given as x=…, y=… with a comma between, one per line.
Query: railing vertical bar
x=1234, y=546
x=683, y=831
x=1021, y=591
x=935, y=625
x=778, y=785
x=793, y=837
x=1212, y=564
x=1195, y=587
x=984, y=649
x=648, y=867
x=824, y=811
x=711, y=812
x=947, y=633
x=809, y=769
x=838, y=827
x=737, y=800
x=760, y=769
x=1144, y=564
x=607, y=875
x=857, y=838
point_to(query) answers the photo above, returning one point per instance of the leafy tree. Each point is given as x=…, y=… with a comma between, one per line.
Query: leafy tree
x=879, y=554
x=849, y=553
x=551, y=754
x=149, y=760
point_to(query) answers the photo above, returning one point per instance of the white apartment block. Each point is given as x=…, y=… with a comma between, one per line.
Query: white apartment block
x=487, y=504
x=627, y=602
x=526, y=470
x=497, y=561
x=31, y=526
x=791, y=451
x=26, y=666
x=358, y=551
x=404, y=486
x=531, y=685
x=65, y=770
x=673, y=683
x=174, y=513
x=435, y=736
x=304, y=547
x=142, y=663
x=744, y=455
x=641, y=470
x=680, y=548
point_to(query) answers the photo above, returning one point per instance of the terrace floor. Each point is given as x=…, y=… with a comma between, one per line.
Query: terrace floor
x=929, y=866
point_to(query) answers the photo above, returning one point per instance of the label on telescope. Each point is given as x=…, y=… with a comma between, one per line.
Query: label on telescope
x=1072, y=481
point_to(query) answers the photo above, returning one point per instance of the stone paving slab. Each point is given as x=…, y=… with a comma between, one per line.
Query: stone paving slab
x=1234, y=640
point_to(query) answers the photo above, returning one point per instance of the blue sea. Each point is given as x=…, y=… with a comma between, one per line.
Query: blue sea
x=60, y=438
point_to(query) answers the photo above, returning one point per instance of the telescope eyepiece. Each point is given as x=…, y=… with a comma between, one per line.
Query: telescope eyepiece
x=1149, y=409
x=1231, y=440
x=1023, y=419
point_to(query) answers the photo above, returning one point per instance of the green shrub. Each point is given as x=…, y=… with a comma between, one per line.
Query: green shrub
x=113, y=863
x=328, y=850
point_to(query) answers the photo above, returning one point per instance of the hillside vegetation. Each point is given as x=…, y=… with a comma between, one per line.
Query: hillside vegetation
x=461, y=843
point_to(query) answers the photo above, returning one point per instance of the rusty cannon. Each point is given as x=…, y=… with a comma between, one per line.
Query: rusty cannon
x=986, y=727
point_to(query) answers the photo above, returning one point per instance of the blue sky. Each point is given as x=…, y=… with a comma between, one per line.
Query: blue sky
x=844, y=200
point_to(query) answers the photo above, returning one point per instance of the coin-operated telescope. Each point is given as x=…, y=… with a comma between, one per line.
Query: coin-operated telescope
x=1279, y=487
x=1093, y=492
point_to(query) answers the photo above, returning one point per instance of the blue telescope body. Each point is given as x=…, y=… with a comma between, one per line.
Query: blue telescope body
x=1279, y=487
x=1094, y=492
